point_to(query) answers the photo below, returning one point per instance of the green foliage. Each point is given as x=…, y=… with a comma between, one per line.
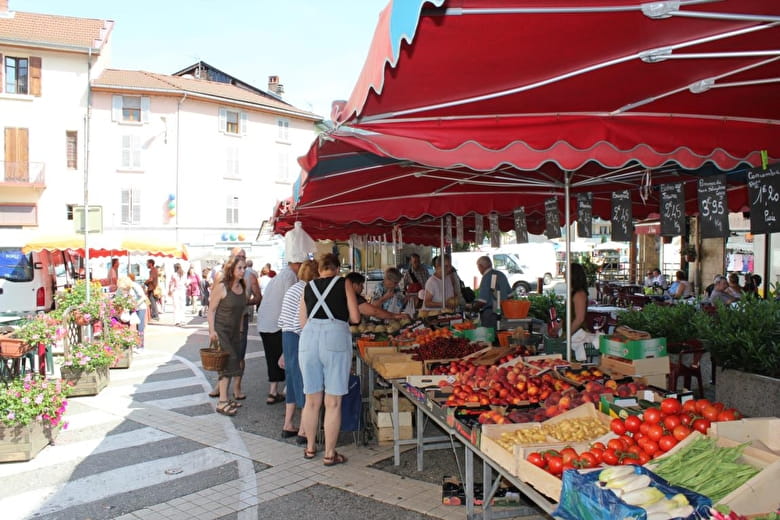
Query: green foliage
x=541, y=303
x=591, y=269
x=90, y=355
x=673, y=322
x=33, y=398
x=745, y=336
x=119, y=337
x=41, y=328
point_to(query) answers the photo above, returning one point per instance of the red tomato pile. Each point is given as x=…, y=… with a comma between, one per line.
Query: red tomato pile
x=640, y=440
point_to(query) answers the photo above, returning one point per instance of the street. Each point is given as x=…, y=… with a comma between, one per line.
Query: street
x=151, y=446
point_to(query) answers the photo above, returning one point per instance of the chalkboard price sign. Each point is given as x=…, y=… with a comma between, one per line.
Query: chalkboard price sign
x=459, y=230
x=479, y=233
x=764, y=188
x=584, y=215
x=552, y=218
x=622, y=217
x=672, y=209
x=713, y=207
x=521, y=227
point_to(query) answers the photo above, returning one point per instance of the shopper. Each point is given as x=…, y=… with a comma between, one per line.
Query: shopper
x=151, y=288
x=136, y=294
x=177, y=290
x=365, y=308
x=193, y=289
x=113, y=275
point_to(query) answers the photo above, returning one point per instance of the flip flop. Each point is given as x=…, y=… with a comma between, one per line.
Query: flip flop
x=214, y=394
x=337, y=458
x=226, y=408
x=273, y=399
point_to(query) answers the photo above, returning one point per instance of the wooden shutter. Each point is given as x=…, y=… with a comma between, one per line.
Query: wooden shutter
x=16, y=159
x=2, y=69
x=116, y=108
x=222, y=119
x=35, y=76
x=145, y=105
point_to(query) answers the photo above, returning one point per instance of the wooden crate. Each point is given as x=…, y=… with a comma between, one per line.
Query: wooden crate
x=395, y=366
x=371, y=352
x=23, y=443
x=383, y=426
x=763, y=433
x=85, y=382
x=636, y=367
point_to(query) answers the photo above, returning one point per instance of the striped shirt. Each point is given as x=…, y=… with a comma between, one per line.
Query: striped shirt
x=289, y=319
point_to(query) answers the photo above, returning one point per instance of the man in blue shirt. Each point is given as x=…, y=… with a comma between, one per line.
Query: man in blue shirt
x=494, y=283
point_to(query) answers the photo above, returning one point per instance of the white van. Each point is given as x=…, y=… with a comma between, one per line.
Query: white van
x=466, y=265
x=537, y=260
x=27, y=282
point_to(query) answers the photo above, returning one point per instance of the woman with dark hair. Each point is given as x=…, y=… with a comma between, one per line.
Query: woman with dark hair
x=681, y=287
x=579, y=305
x=329, y=303
x=226, y=308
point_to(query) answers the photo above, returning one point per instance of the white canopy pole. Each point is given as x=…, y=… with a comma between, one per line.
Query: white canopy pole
x=568, y=265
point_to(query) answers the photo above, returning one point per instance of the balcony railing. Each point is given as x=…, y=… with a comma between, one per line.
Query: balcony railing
x=23, y=174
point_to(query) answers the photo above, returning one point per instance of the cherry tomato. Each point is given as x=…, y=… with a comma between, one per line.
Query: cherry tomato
x=649, y=446
x=568, y=455
x=701, y=403
x=644, y=427
x=632, y=423
x=616, y=445
x=729, y=414
x=655, y=432
x=588, y=460
x=598, y=445
x=687, y=418
x=597, y=453
x=636, y=450
x=618, y=426
x=689, y=406
x=667, y=442
x=566, y=466
x=609, y=457
x=710, y=413
x=701, y=425
x=671, y=406
x=555, y=465
x=680, y=432
x=639, y=435
x=652, y=415
x=644, y=458
x=549, y=454
x=628, y=440
x=537, y=460
x=670, y=421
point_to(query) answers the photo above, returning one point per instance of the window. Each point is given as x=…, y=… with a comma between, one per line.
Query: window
x=130, y=206
x=283, y=167
x=283, y=126
x=232, y=166
x=131, y=152
x=232, y=122
x=71, y=143
x=16, y=75
x=69, y=211
x=130, y=109
x=231, y=213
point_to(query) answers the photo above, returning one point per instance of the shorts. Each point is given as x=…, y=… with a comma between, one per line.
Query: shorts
x=325, y=356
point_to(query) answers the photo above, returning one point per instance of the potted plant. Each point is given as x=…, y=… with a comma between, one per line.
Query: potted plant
x=85, y=366
x=122, y=340
x=689, y=252
x=75, y=300
x=673, y=322
x=31, y=412
x=744, y=340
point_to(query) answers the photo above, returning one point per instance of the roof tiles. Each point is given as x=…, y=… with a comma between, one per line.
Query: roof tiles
x=51, y=30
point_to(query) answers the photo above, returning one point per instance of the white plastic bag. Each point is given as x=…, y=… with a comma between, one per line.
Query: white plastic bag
x=298, y=244
x=124, y=317
x=134, y=318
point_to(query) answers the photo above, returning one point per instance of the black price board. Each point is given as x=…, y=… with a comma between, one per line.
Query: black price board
x=552, y=218
x=622, y=219
x=521, y=226
x=584, y=215
x=764, y=187
x=672, y=209
x=713, y=207
x=479, y=234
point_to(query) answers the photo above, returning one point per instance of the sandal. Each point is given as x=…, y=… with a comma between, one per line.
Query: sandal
x=308, y=455
x=214, y=393
x=273, y=399
x=239, y=397
x=226, y=408
x=337, y=458
x=235, y=404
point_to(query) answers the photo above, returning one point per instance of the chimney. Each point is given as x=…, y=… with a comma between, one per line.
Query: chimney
x=274, y=87
x=3, y=6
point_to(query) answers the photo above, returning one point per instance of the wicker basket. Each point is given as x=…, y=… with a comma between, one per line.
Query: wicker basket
x=213, y=358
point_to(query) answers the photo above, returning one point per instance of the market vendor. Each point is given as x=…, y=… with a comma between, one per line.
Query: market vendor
x=493, y=288
x=365, y=308
x=388, y=294
x=442, y=287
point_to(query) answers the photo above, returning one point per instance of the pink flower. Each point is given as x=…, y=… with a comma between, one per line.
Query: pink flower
x=39, y=399
x=25, y=400
x=11, y=416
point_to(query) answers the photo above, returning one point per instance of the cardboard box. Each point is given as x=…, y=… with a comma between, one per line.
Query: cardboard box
x=763, y=433
x=633, y=349
x=383, y=425
x=396, y=366
x=383, y=402
x=370, y=353
x=428, y=381
x=635, y=367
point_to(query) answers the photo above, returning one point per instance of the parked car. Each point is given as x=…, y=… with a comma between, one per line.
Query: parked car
x=27, y=282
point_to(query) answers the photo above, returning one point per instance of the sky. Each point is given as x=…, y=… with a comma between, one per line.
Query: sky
x=316, y=47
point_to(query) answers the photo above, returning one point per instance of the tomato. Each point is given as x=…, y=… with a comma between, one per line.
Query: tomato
x=537, y=460
x=609, y=457
x=701, y=425
x=597, y=453
x=687, y=418
x=655, y=432
x=680, y=432
x=667, y=442
x=689, y=406
x=629, y=460
x=555, y=465
x=632, y=423
x=649, y=446
x=644, y=427
x=671, y=406
x=644, y=458
x=719, y=406
x=701, y=403
x=638, y=436
x=568, y=455
x=652, y=415
x=588, y=460
x=670, y=421
x=598, y=445
x=710, y=413
x=636, y=450
x=729, y=414
x=549, y=454
x=567, y=465
x=618, y=426
x=616, y=445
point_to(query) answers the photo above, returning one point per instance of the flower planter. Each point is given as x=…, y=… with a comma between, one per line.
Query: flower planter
x=124, y=359
x=748, y=393
x=85, y=382
x=11, y=347
x=23, y=443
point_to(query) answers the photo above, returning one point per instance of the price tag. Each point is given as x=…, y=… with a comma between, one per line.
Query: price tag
x=584, y=215
x=764, y=189
x=622, y=216
x=672, y=209
x=552, y=218
x=521, y=227
x=713, y=207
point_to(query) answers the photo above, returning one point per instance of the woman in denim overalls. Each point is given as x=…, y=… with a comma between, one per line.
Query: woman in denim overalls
x=325, y=353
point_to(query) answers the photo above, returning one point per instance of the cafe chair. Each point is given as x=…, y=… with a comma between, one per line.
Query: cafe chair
x=685, y=362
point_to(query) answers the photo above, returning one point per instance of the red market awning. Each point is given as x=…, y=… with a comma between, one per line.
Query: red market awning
x=527, y=82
